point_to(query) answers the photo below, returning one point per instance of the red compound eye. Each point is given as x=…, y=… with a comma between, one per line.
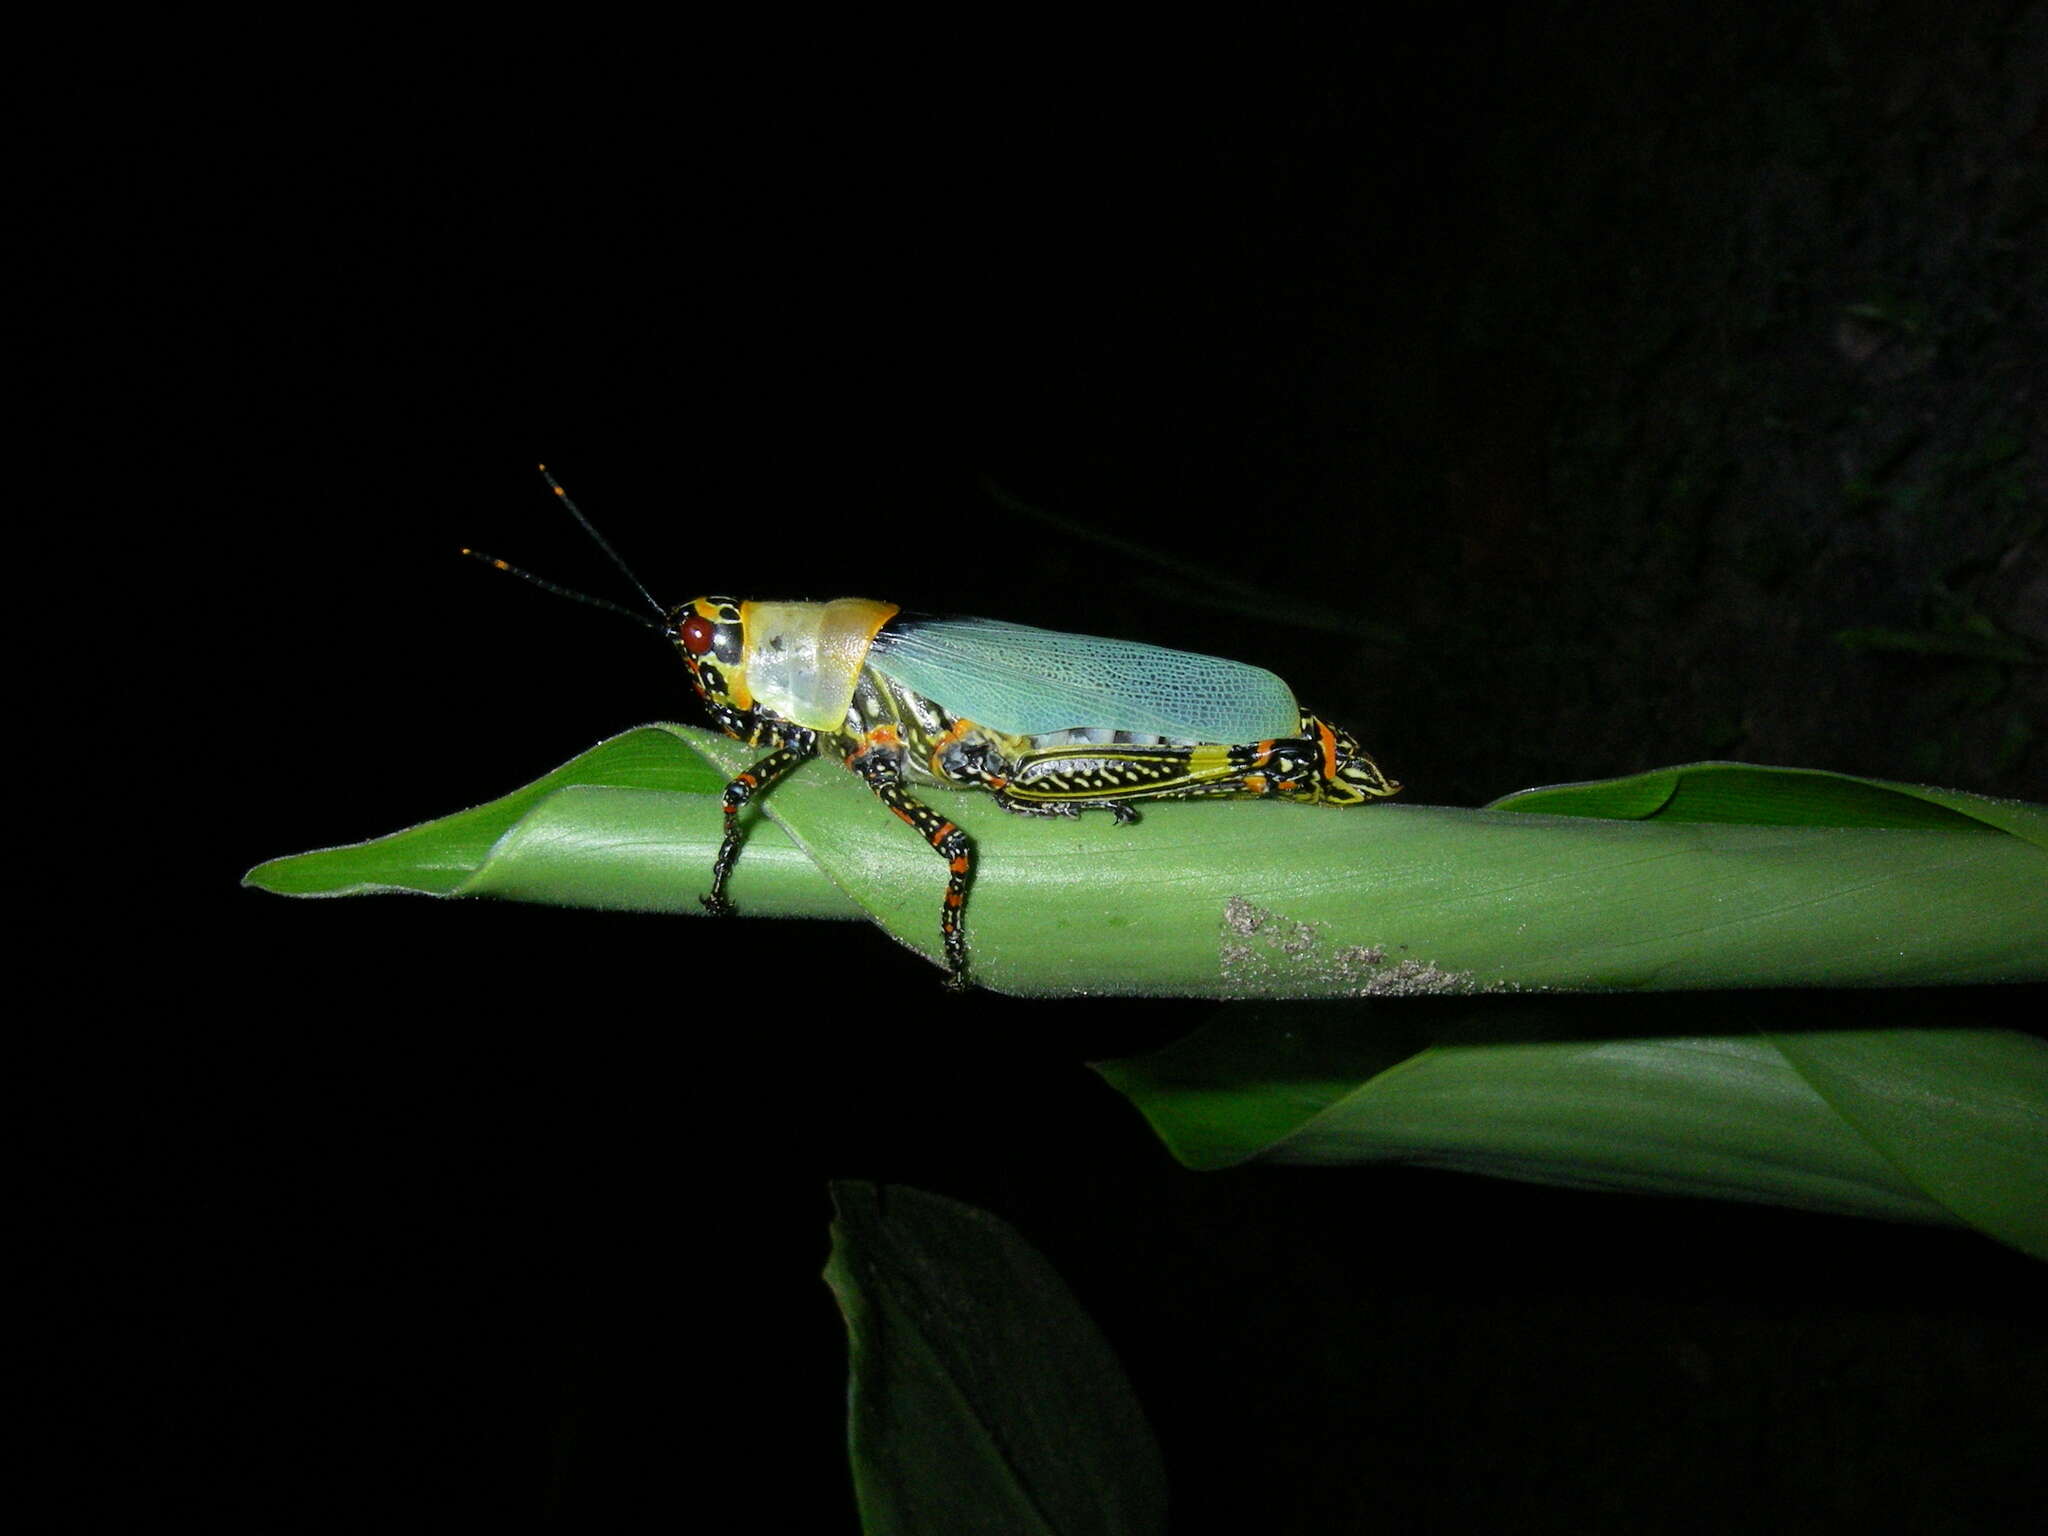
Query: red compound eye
x=696, y=633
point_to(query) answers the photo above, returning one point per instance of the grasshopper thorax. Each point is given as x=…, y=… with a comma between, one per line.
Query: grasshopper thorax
x=792, y=661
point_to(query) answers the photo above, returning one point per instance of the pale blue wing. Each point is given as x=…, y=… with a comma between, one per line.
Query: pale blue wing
x=1025, y=682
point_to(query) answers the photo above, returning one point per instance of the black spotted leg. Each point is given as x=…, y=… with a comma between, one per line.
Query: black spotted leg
x=757, y=780
x=879, y=761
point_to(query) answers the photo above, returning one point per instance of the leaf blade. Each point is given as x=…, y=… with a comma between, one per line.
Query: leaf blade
x=983, y=1397
x=1944, y=1126
x=1251, y=899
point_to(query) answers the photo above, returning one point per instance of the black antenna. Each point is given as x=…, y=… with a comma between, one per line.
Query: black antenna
x=561, y=591
x=570, y=592
x=591, y=529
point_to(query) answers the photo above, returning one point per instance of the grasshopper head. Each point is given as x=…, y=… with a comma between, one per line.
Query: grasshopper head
x=711, y=637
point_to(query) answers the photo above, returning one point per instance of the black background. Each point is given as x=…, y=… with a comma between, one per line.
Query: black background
x=1593, y=368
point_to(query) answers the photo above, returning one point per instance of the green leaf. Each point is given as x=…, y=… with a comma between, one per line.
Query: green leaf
x=631, y=825
x=1961, y=1113
x=1744, y=794
x=1931, y=1125
x=1714, y=875
x=1719, y=875
x=983, y=1398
